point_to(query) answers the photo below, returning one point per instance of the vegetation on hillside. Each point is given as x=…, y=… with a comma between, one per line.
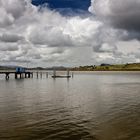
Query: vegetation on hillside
x=108, y=67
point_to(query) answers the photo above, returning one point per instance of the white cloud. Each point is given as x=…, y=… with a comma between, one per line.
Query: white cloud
x=45, y=37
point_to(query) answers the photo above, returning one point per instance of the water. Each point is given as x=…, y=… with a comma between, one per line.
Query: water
x=91, y=106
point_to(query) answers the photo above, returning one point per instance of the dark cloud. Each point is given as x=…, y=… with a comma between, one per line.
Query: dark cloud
x=10, y=37
x=119, y=14
x=125, y=14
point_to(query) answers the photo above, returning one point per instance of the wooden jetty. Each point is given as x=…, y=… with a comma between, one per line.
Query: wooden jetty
x=19, y=73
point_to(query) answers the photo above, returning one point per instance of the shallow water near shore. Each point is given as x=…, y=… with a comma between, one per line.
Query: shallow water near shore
x=89, y=106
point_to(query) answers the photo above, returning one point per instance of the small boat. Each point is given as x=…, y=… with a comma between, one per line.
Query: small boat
x=61, y=76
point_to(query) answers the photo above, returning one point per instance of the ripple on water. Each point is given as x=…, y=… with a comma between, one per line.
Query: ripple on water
x=78, y=109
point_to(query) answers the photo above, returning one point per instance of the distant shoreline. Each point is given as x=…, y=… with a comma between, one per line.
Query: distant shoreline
x=111, y=70
x=38, y=70
x=102, y=67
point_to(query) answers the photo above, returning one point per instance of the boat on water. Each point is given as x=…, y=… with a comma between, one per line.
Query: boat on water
x=61, y=76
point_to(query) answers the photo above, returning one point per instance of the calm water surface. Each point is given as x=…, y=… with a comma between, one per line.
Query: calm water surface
x=91, y=106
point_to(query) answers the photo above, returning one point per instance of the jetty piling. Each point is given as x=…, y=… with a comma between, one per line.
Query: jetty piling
x=37, y=75
x=68, y=73
x=46, y=74
x=72, y=75
x=41, y=75
x=7, y=76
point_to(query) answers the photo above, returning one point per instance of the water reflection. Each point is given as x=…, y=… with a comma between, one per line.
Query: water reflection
x=89, y=106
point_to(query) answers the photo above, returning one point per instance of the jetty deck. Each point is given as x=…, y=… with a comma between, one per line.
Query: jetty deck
x=26, y=74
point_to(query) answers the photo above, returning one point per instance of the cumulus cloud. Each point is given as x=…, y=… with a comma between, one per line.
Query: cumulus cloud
x=121, y=14
x=10, y=10
x=43, y=36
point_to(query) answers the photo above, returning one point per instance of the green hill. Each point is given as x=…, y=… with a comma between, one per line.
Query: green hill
x=108, y=67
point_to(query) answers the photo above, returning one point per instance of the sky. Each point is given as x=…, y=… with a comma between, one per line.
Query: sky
x=62, y=4
x=69, y=32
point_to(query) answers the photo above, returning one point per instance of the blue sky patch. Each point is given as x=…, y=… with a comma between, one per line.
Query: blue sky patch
x=65, y=6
